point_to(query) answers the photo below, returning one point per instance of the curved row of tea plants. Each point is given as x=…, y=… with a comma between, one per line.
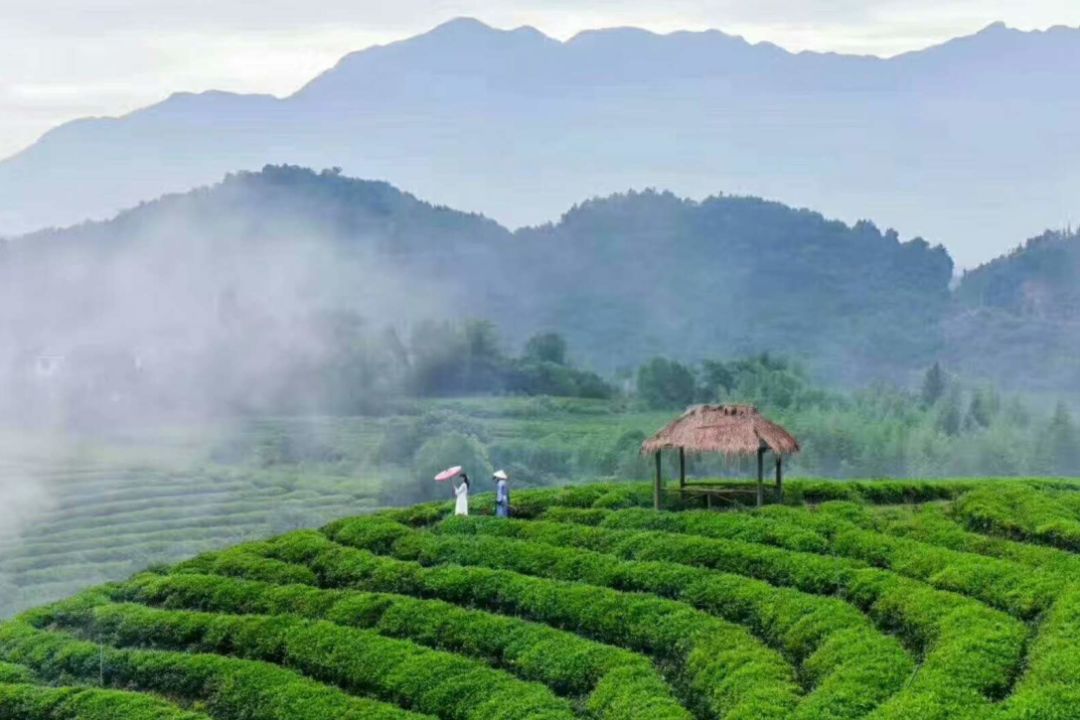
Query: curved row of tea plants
x=106, y=522
x=882, y=602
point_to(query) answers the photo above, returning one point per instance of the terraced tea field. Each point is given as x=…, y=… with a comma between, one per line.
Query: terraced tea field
x=111, y=507
x=104, y=522
x=876, y=600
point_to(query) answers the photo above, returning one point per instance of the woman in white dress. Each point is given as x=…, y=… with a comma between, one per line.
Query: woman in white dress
x=461, y=507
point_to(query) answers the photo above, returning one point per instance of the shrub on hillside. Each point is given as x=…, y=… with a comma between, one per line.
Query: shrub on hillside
x=433, y=456
x=404, y=436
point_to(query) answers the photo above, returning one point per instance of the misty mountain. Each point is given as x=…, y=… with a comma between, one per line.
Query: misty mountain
x=972, y=143
x=1022, y=311
x=232, y=297
x=259, y=291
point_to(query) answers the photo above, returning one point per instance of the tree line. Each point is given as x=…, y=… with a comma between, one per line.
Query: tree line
x=944, y=425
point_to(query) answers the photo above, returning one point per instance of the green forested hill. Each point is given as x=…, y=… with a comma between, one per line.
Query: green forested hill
x=244, y=290
x=1022, y=311
x=1038, y=279
x=646, y=274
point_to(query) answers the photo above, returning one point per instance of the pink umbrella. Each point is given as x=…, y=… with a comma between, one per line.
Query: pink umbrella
x=448, y=473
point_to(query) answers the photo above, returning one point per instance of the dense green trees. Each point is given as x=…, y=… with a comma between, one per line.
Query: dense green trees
x=881, y=430
x=546, y=348
x=946, y=427
x=934, y=384
x=439, y=453
x=663, y=383
x=1060, y=447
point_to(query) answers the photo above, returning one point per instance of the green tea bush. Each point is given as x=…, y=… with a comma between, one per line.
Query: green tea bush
x=1050, y=686
x=797, y=624
x=1016, y=512
x=247, y=559
x=33, y=702
x=10, y=673
x=957, y=635
x=614, y=679
x=941, y=623
x=731, y=671
x=230, y=689
x=359, y=661
x=832, y=529
x=932, y=524
x=879, y=600
x=1021, y=591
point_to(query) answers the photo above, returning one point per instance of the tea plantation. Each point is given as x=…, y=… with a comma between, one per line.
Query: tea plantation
x=946, y=599
x=106, y=521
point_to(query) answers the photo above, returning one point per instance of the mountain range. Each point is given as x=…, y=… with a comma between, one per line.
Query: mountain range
x=247, y=288
x=973, y=143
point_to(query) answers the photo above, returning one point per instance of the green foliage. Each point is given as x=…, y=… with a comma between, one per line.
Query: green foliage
x=33, y=702
x=934, y=385
x=663, y=383
x=935, y=525
x=541, y=377
x=11, y=673
x=1013, y=319
x=1060, y=443
x=228, y=688
x=277, y=447
x=879, y=600
x=949, y=414
x=881, y=304
x=1018, y=513
x=466, y=359
x=359, y=661
x=455, y=359
x=838, y=529
x=767, y=381
x=938, y=622
x=943, y=622
x=1050, y=686
x=984, y=408
x=720, y=661
x=546, y=348
x=113, y=518
x=404, y=436
x=434, y=456
x=542, y=462
x=616, y=680
x=798, y=625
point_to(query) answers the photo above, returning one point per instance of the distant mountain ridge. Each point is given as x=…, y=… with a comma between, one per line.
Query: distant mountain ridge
x=519, y=126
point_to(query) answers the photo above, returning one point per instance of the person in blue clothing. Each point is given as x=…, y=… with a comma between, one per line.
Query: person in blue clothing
x=502, y=494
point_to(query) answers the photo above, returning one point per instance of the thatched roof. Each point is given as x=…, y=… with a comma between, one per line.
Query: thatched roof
x=726, y=429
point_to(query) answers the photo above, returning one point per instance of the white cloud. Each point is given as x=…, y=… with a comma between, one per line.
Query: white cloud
x=62, y=59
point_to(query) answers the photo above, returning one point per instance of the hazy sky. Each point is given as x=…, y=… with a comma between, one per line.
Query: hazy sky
x=63, y=59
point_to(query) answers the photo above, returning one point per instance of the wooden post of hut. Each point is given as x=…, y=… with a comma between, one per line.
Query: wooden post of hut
x=658, y=487
x=732, y=431
x=779, y=478
x=761, y=476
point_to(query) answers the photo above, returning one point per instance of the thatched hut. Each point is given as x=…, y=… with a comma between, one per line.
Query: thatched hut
x=731, y=430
